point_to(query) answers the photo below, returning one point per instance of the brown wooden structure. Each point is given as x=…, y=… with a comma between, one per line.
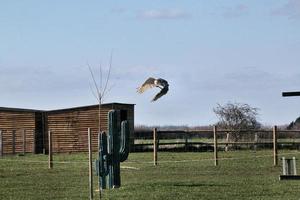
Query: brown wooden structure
x=20, y=127
x=69, y=127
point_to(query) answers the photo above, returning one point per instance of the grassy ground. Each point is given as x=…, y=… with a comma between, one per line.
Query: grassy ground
x=240, y=175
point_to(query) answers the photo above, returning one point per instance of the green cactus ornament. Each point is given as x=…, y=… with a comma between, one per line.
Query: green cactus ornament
x=113, y=149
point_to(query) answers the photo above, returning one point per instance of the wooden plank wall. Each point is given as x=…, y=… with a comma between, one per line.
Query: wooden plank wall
x=18, y=121
x=40, y=126
x=69, y=127
x=130, y=117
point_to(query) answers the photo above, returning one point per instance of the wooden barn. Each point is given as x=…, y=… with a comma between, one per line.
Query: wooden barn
x=29, y=128
x=21, y=130
x=69, y=126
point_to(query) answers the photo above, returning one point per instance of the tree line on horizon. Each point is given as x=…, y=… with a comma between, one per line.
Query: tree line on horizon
x=232, y=116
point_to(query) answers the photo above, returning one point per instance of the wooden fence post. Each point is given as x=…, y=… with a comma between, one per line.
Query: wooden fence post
x=33, y=142
x=186, y=141
x=50, y=158
x=275, y=153
x=14, y=141
x=24, y=142
x=155, y=146
x=90, y=164
x=227, y=140
x=1, y=143
x=255, y=141
x=215, y=145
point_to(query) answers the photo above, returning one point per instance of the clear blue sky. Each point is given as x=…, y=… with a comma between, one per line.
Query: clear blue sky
x=210, y=52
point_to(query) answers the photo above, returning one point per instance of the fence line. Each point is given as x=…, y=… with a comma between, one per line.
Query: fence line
x=270, y=139
x=13, y=142
x=147, y=162
x=148, y=133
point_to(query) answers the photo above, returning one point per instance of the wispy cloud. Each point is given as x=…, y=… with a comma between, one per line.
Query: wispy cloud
x=118, y=10
x=249, y=79
x=39, y=79
x=290, y=9
x=163, y=14
x=236, y=11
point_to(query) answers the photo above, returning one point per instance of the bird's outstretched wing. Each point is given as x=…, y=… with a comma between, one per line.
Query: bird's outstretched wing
x=161, y=93
x=149, y=83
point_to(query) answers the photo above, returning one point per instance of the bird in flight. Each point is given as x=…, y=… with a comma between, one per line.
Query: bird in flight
x=153, y=82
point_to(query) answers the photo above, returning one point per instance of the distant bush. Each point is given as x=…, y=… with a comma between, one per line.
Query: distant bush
x=237, y=117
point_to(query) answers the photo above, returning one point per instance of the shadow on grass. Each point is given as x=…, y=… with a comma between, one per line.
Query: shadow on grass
x=186, y=184
x=198, y=185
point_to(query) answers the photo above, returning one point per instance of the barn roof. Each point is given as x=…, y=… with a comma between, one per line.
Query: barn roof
x=19, y=109
x=63, y=109
x=91, y=106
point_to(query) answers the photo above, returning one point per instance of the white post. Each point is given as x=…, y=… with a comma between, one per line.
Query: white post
x=294, y=166
x=283, y=166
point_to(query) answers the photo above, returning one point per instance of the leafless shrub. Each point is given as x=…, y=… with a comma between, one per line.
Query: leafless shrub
x=237, y=117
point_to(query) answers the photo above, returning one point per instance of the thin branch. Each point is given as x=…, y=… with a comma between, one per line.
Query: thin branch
x=108, y=90
x=108, y=75
x=95, y=83
x=100, y=81
x=93, y=92
x=101, y=93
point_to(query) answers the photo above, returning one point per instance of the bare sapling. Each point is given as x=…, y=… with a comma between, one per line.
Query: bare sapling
x=100, y=90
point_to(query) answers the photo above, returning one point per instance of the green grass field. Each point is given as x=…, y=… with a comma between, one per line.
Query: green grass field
x=240, y=175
